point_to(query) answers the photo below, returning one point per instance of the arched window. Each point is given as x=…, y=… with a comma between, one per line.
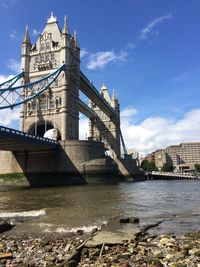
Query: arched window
x=29, y=107
x=42, y=46
x=57, y=102
x=42, y=58
x=47, y=45
x=47, y=57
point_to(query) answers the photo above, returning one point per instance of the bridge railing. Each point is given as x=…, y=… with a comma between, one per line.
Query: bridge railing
x=175, y=174
x=36, y=137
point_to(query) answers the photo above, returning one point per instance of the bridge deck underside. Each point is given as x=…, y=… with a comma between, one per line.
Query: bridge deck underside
x=23, y=142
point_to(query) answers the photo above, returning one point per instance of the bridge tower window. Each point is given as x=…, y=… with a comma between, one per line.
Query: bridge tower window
x=57, y=102
x=47, y=45
x=42, y=46
x=29, y=107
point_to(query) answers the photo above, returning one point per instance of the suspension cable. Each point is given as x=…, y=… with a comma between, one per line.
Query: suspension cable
x=43, y=83
x=45, y=121
x=9, y=83
x=54, y=112
x=11, y=110
x=36, y=100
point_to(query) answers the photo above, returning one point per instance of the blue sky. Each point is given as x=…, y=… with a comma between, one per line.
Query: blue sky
x=147, y=50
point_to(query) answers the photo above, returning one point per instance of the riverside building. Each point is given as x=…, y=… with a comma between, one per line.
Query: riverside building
x=183, y=156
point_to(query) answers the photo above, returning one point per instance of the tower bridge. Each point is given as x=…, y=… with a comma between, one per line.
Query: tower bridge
x=49, y=102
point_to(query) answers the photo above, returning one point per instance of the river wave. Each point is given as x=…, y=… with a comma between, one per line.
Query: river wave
x=24, y=214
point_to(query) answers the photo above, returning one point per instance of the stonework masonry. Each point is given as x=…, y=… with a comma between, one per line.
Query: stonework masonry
x=57, y=107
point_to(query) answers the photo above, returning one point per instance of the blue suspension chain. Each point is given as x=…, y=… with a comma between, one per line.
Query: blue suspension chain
x=43, y=83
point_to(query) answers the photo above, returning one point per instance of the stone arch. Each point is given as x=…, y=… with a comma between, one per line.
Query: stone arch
x=40, y=127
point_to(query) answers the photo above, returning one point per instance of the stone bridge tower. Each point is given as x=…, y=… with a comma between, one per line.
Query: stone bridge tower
x=57, y=107
x=104, y=128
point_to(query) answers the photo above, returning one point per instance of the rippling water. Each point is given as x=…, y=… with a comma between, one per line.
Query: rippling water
x=67, y=208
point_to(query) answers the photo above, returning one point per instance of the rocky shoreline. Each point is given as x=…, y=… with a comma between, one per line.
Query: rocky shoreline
x=76, y=249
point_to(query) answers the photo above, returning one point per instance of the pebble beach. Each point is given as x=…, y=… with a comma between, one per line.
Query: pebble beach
x=76, y=249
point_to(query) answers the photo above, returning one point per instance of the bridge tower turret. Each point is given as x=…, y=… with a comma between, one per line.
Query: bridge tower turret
x=25, y=53
x=57, y=107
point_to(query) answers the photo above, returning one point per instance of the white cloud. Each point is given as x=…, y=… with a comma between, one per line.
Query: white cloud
x=83, y=53
x=182, y=77
x=145, y=32
x=159, y=132
x=128, y=112
x=7, y=114
x=8, y=3
x=83, y=127
x=14, y=65
x=131, y=45
x=9, y=118
x=13, y=35
x=100, y=59
x=4, y=78
x=153, y=132
x=35, y=32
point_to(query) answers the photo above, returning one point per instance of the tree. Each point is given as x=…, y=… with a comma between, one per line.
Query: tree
x=167, y=167
x=197, y=167
x=145, y=165
x=152, y=166
x=148, y=166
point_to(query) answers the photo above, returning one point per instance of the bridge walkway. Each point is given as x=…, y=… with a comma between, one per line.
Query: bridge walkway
x=14, y=140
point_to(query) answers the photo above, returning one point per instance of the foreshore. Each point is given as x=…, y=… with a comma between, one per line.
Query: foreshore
x=76, y=249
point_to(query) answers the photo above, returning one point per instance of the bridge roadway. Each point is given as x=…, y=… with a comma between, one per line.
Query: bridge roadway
x=87, y=111
x=14, y=140
x=92, y=93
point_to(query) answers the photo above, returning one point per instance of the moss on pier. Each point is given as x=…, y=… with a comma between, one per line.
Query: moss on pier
x=13, y=178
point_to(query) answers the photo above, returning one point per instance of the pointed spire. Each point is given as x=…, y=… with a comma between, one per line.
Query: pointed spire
x=114, y=96
x=52, y=19
x=76, y=39
x=103, y=87
x=27, y=37
x=65, y=27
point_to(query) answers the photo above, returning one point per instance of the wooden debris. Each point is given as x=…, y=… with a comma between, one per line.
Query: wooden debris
x=7, y=255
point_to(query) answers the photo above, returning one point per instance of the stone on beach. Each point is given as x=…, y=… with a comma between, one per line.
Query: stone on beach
x=5, y=226
x=129, y=220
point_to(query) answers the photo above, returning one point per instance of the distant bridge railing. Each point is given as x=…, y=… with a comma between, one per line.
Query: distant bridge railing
x=180, y=175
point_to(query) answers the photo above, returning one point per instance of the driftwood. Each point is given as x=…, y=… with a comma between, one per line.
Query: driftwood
x=101, y=251
x=144, y=230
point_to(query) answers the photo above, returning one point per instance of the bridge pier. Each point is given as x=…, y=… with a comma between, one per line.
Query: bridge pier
x=73, y=162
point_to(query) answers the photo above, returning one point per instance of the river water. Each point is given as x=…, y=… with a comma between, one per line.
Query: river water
x=63, y=209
